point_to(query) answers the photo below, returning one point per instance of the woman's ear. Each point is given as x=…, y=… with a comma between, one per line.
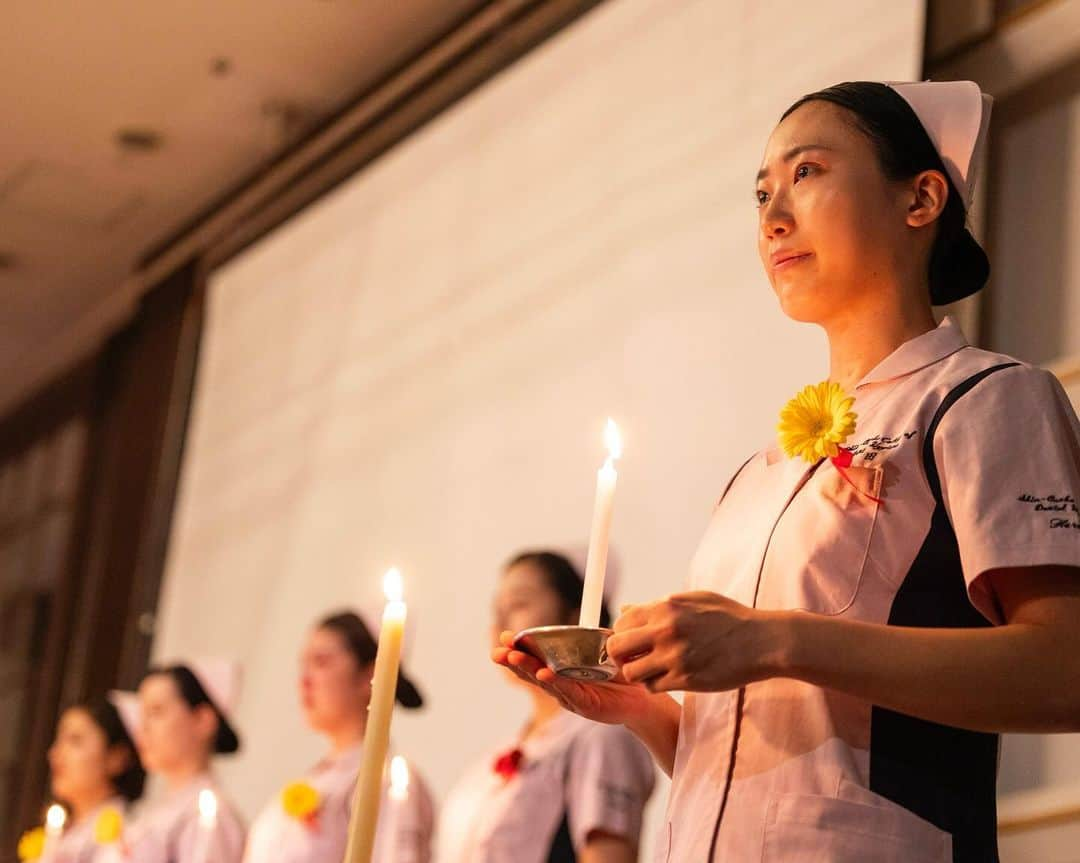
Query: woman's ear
x=206, y=723
x=117, y=760
x=929, y=192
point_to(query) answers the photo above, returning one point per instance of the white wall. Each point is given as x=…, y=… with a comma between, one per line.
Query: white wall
x=417, y=370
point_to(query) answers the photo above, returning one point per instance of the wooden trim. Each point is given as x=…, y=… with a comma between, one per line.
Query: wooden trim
x=1018, y=51
x=1067, y=370
x=161, y=489
x=68, y=399
x=1051, y=817
x=1001, y=24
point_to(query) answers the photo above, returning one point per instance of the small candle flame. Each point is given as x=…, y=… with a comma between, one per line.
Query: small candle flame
x=55, y=818
x=613, y=440
x=392, y=585
x=207, y=806
x=399, y=778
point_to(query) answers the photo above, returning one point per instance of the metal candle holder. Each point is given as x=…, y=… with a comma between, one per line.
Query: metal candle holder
x=575, y=652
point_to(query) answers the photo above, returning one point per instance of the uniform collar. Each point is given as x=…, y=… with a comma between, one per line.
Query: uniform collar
x=914, y=354
x=918, y=353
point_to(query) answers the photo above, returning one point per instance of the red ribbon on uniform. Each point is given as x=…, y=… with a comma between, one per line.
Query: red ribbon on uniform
x=508, y=764
x=841, y=461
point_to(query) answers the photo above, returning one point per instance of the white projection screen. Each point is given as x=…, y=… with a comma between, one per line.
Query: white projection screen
x=416, y=370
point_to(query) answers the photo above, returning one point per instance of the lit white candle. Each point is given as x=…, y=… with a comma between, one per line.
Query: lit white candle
x=208, y=807
x=369, y=784
x=399, y=779
x=596, y=564
x=399, y=796
x=55, y=819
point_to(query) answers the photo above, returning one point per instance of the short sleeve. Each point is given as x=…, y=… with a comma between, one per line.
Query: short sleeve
x=1008, y=456
x=611, y=777
x=413, y=825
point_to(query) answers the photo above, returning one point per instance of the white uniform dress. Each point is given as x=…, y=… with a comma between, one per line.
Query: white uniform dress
x=963, y=462
x=403, y=835
x=78, y=844
x=575, y=778
x=171, y=831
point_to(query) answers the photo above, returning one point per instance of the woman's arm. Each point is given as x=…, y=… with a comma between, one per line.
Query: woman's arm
x=1022, y=676
x=603, y=847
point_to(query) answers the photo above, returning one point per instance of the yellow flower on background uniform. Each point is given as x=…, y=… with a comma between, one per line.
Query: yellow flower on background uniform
x=32, y=844
x=300, y=800
x=816, y=422
x=109, y=826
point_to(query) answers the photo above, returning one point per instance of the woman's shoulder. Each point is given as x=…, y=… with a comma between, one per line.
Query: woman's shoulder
x=613, y=739
x=975, y=382
x=972, y=365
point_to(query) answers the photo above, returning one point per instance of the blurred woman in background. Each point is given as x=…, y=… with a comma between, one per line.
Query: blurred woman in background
x=562, y=788
x=307, y=821
x=184, y=722
x=95, y=774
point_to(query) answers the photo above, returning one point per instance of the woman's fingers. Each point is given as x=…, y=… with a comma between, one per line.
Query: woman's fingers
x=631, y=617
x=630, y=643
x=524, y=662
x=664, y=683
x=644, y=669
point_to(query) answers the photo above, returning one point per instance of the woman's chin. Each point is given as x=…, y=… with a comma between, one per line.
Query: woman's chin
x=802, y=304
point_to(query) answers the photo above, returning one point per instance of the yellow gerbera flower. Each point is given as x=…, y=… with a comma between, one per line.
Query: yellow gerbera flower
x=816, y=422
x=32, y=844
x=109, y=826
x=300, y=800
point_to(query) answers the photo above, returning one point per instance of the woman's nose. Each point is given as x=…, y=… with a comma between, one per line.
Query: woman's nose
x=776, y=219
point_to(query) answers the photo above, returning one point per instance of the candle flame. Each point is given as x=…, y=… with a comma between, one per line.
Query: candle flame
x=207, y=805
x=55, y=817
x=612, y=439
x=392, y=585
x=399, y=778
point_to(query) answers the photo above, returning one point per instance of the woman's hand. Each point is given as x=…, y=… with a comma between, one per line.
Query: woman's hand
x=614, y=703
x=696, y=642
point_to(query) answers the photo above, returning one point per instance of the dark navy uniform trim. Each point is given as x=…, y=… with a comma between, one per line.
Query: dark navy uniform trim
x=945, y=775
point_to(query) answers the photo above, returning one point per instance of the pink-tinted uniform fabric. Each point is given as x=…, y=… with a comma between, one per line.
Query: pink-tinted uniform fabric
x=784, y=771
x=78, y=844
x=599, y=777
x=403, y=834
x=169, y=830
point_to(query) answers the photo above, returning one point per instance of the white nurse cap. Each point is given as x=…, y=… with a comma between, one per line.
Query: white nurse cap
x=956, y=116
x=127, y=707
x=220, y=680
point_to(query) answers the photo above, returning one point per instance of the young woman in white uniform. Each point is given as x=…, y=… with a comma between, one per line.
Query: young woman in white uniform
x=562, y=789
x=184, y=722
x=95, y=774
x=307, y=820
x=870, y=611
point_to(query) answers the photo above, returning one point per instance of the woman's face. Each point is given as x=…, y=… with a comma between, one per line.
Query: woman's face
x=81, y=762
x=334, y=688
x=524, y=599
x=172, y=735
x=831, y=226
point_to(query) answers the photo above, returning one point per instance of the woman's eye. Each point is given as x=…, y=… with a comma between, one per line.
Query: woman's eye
x=762, y=198
x=802, y=172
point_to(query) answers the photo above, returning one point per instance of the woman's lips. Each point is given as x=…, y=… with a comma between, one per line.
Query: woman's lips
x=785, y=260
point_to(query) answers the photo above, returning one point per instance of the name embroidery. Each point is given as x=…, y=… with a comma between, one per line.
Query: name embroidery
x=872, y=447
x=1065, y=504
